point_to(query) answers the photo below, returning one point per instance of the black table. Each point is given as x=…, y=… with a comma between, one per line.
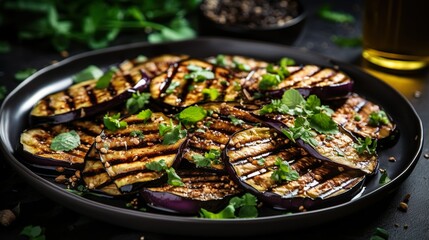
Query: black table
x=63, y=223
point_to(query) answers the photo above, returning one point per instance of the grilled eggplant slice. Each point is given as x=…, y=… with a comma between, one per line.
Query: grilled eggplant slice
x=213, y=132
x=95, y=177
x=36, y=143
x=338, y=148
x=84, y=99
x=356, y=114
x=184, y=84
x=251, y=156
x=326, y=83
x=125, y=154
x=240, y=65
x=202, y=189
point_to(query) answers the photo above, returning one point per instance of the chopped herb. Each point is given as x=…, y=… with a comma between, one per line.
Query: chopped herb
x=378, y=118
x=33, y=232
x=4, y=47
x=384, y=178
x=172, y=87
x=268, y=81
x=346, y=42
x=198, y=74
x=192, y=114
x=209, y=158
x=137, y=133
x=261, y=161
x=145, y=114
x=212, y=93
x=113, y=123
x=65, y=141
x=366, y=146
x=137, y=102
x=283, y=172
x=238, y=207
x=357, y=117
x=325, y=12
x=220, y=60
x=161, y=165
x=171, y=133
x=235, y=120
x=3, y=92
x=323, y=123
x=285, y=61
x=25, y=73
x=380, y=234
x=89, y=73
x=237, y=85
x=104, y=81
x=241, y=66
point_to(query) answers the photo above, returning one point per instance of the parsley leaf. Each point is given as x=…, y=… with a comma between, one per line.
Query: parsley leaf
x=192, y=114
x=65, y=141
x=325, y=12
x=235, y=120
x=113, y=123
x=366, y=146
x=171, y=133
x=283, y=172
x=220, y=60
x=3, y=92
x=137, y=102
x=238, y=207
x=33, y=232
x=198, y=74
x=212, y=93
x=104, y=81
x=25, y=73
x=137, y=133
x=145, y=114
x=384, y=178
x=172, y=87
x=210, y=157
x=268, y=81
x=161, y=165
x=89, y=73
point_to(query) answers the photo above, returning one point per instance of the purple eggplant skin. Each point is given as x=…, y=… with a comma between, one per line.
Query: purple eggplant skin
x=141, y=86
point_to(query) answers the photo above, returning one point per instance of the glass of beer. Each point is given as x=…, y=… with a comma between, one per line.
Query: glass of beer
x=396, y=33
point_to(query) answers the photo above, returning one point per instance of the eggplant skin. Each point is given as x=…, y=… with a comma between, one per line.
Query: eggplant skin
x=202, y=189
x=250, y=157
x=35, y=144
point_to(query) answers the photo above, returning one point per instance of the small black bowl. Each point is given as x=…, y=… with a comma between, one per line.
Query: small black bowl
x=286, y=33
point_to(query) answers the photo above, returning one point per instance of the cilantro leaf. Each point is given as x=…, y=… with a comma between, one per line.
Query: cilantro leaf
x=104, y=81
x=210, y=157
x=145, y=114
x=283, y=172
x=292, y=98
x=212, y=93
x=89, y=73
x=268, y=81
x=25, y=73
x=378, y=118
x=199, y=74
x=161, y=165
x=192, y=114
x=113, y=122
x=172, y=87
x=157, y=166
x=137, y=133
x=220, y=60
x=33, y=232
x=137, y=102
x=3, y=92
x=325, y=12
x=65, y=141
x=384, y=178
x=238, y=207
x=366, y=145
x=171, y=133
x=235, y=120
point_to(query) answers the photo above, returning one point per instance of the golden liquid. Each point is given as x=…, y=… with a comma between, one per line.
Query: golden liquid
x=396, y=33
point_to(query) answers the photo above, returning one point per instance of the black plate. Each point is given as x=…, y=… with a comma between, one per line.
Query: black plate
x=15, y=110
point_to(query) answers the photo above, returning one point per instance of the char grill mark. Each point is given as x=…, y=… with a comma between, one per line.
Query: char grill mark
x=317, y=178
x=356, y=106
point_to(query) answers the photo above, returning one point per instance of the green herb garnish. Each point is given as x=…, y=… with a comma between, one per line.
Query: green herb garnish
x=172, y=87
x=238, y=207
x=325, y=12
x=261, y=161
x=113, y=122
x=241, y=66
x=283, y=172
x=89, y=73
x=192, y=114
x=104, y=81
x=211, y=93
x=269, y=80
x=33, y=232
x=4, y=47
x=161, y=165
x=65, y=141
x=220, y=60
x=346, y=42
x=235, y=120
x=137, y=133
x=198, y=74
x=209, y=158
x=378, y=118
x=384, y=178
x=145, y=114
x=380, y=234
x=25, y=73
x=3, y=92
x=366, y=145
x=137, y=102
x=171, y=132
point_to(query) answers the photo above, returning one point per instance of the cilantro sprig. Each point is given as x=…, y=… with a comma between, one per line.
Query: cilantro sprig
x=104, y=80
x=144, y=114
x=275, y=74
x=113, y=122
x=161, y=165
x=192, y=114
x=238, y=207
x=378, y=118
x=137, y=102
x=198, y=74
x=283, y=172
x=33, y=232
x=89, y=73
x=209, y=158
x=366, y=145
x=171, y=133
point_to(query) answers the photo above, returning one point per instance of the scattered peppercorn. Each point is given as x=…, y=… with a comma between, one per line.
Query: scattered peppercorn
x=403, y=206
x=392, y=159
